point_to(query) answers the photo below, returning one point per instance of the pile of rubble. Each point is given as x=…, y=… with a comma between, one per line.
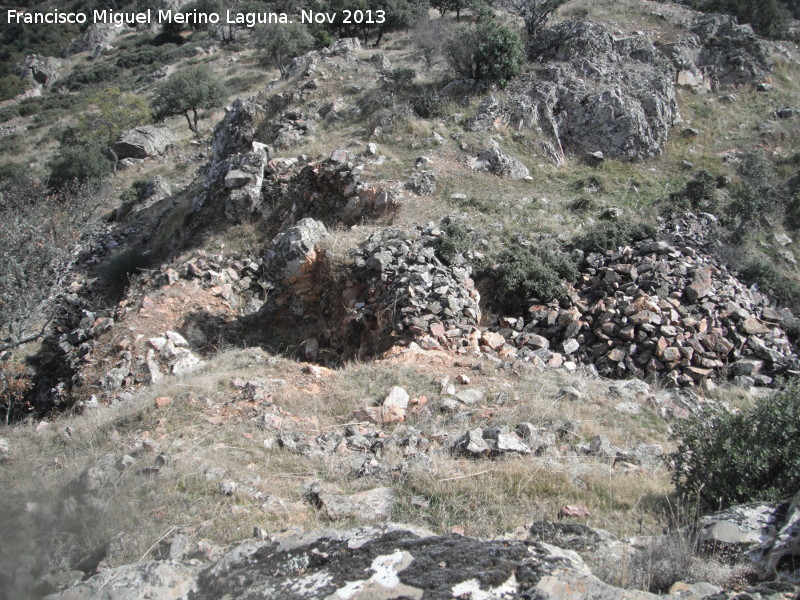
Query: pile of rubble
x=663, y=306
x=399, y=281
x=331, y=191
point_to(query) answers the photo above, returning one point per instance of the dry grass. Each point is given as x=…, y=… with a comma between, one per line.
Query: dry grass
x=206, y=434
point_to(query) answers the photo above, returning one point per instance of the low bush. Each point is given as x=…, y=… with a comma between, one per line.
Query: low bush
x=489, y=51
x=700, y=195
x=532, y=274
x=81, y=163
x=8, y=112
x=758, y=194
x=457, y=238
x=610, y=235
x=92, y=74
x=116, y=272
x=754, y=455
x=771, y=281
x=11, y=86
x=153, y=56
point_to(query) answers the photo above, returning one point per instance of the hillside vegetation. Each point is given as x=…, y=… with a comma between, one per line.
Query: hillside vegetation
x=521, y=277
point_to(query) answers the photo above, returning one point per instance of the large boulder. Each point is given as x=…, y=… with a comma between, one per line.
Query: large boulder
x=767, y=534
x=500, y=163
x=591, y=93
x=95, y=40
x=143, y=142
x=43, y=70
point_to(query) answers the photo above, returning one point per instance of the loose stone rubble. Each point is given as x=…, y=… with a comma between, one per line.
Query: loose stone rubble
x=663, y=306
x=399, y=281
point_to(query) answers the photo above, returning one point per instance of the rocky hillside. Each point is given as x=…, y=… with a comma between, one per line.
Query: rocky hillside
x=375, y=327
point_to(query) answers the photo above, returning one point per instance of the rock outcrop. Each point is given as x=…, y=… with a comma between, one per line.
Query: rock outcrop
x=143, y=142
x=765, y=534
x=42, y=70
x=388, y=562
x=499, y=163
x=291, y=273
x=719, y=53
x=95, y=40
x=590, y=92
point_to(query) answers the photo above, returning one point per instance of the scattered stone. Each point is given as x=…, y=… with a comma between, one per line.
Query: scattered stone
x=500, y=164
x=371, y=505
x=163, y=401
x=574, y=510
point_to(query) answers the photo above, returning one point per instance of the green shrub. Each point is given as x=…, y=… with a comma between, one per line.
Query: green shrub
x=489, y=51
x=92, y=74
x=11, y=86
x=456, y=239
x=153, y=56
x=772, y=281
x=429, y=105
x=400, y=77
x=532, y=274
x=757, y=195
x=115, y=273
x=13, y=174
x=754, y=455
x=82, y=163
x=8, y=112
x=700, y=194
x=611, y=235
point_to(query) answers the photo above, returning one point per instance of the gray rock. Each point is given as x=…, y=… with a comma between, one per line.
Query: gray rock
x=422, y=183
x=742, y=530
x=499, y=163
x=95, y=40
x=391, y=562
x=158, y=579
x=782, y=558
x=592, y=93
x=143, y=142
x=243, y=181
x=290, y=266
x=371, y=505
x=472, y=444
x=43, y=70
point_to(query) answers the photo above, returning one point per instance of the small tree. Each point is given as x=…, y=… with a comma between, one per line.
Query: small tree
x=498, y=54
x=116, y=111
x=42, y=236
x=445, y=6
x=488, y=51
x=188, y=91
x=535, y=13
x=281, y=42
x=429, y=37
